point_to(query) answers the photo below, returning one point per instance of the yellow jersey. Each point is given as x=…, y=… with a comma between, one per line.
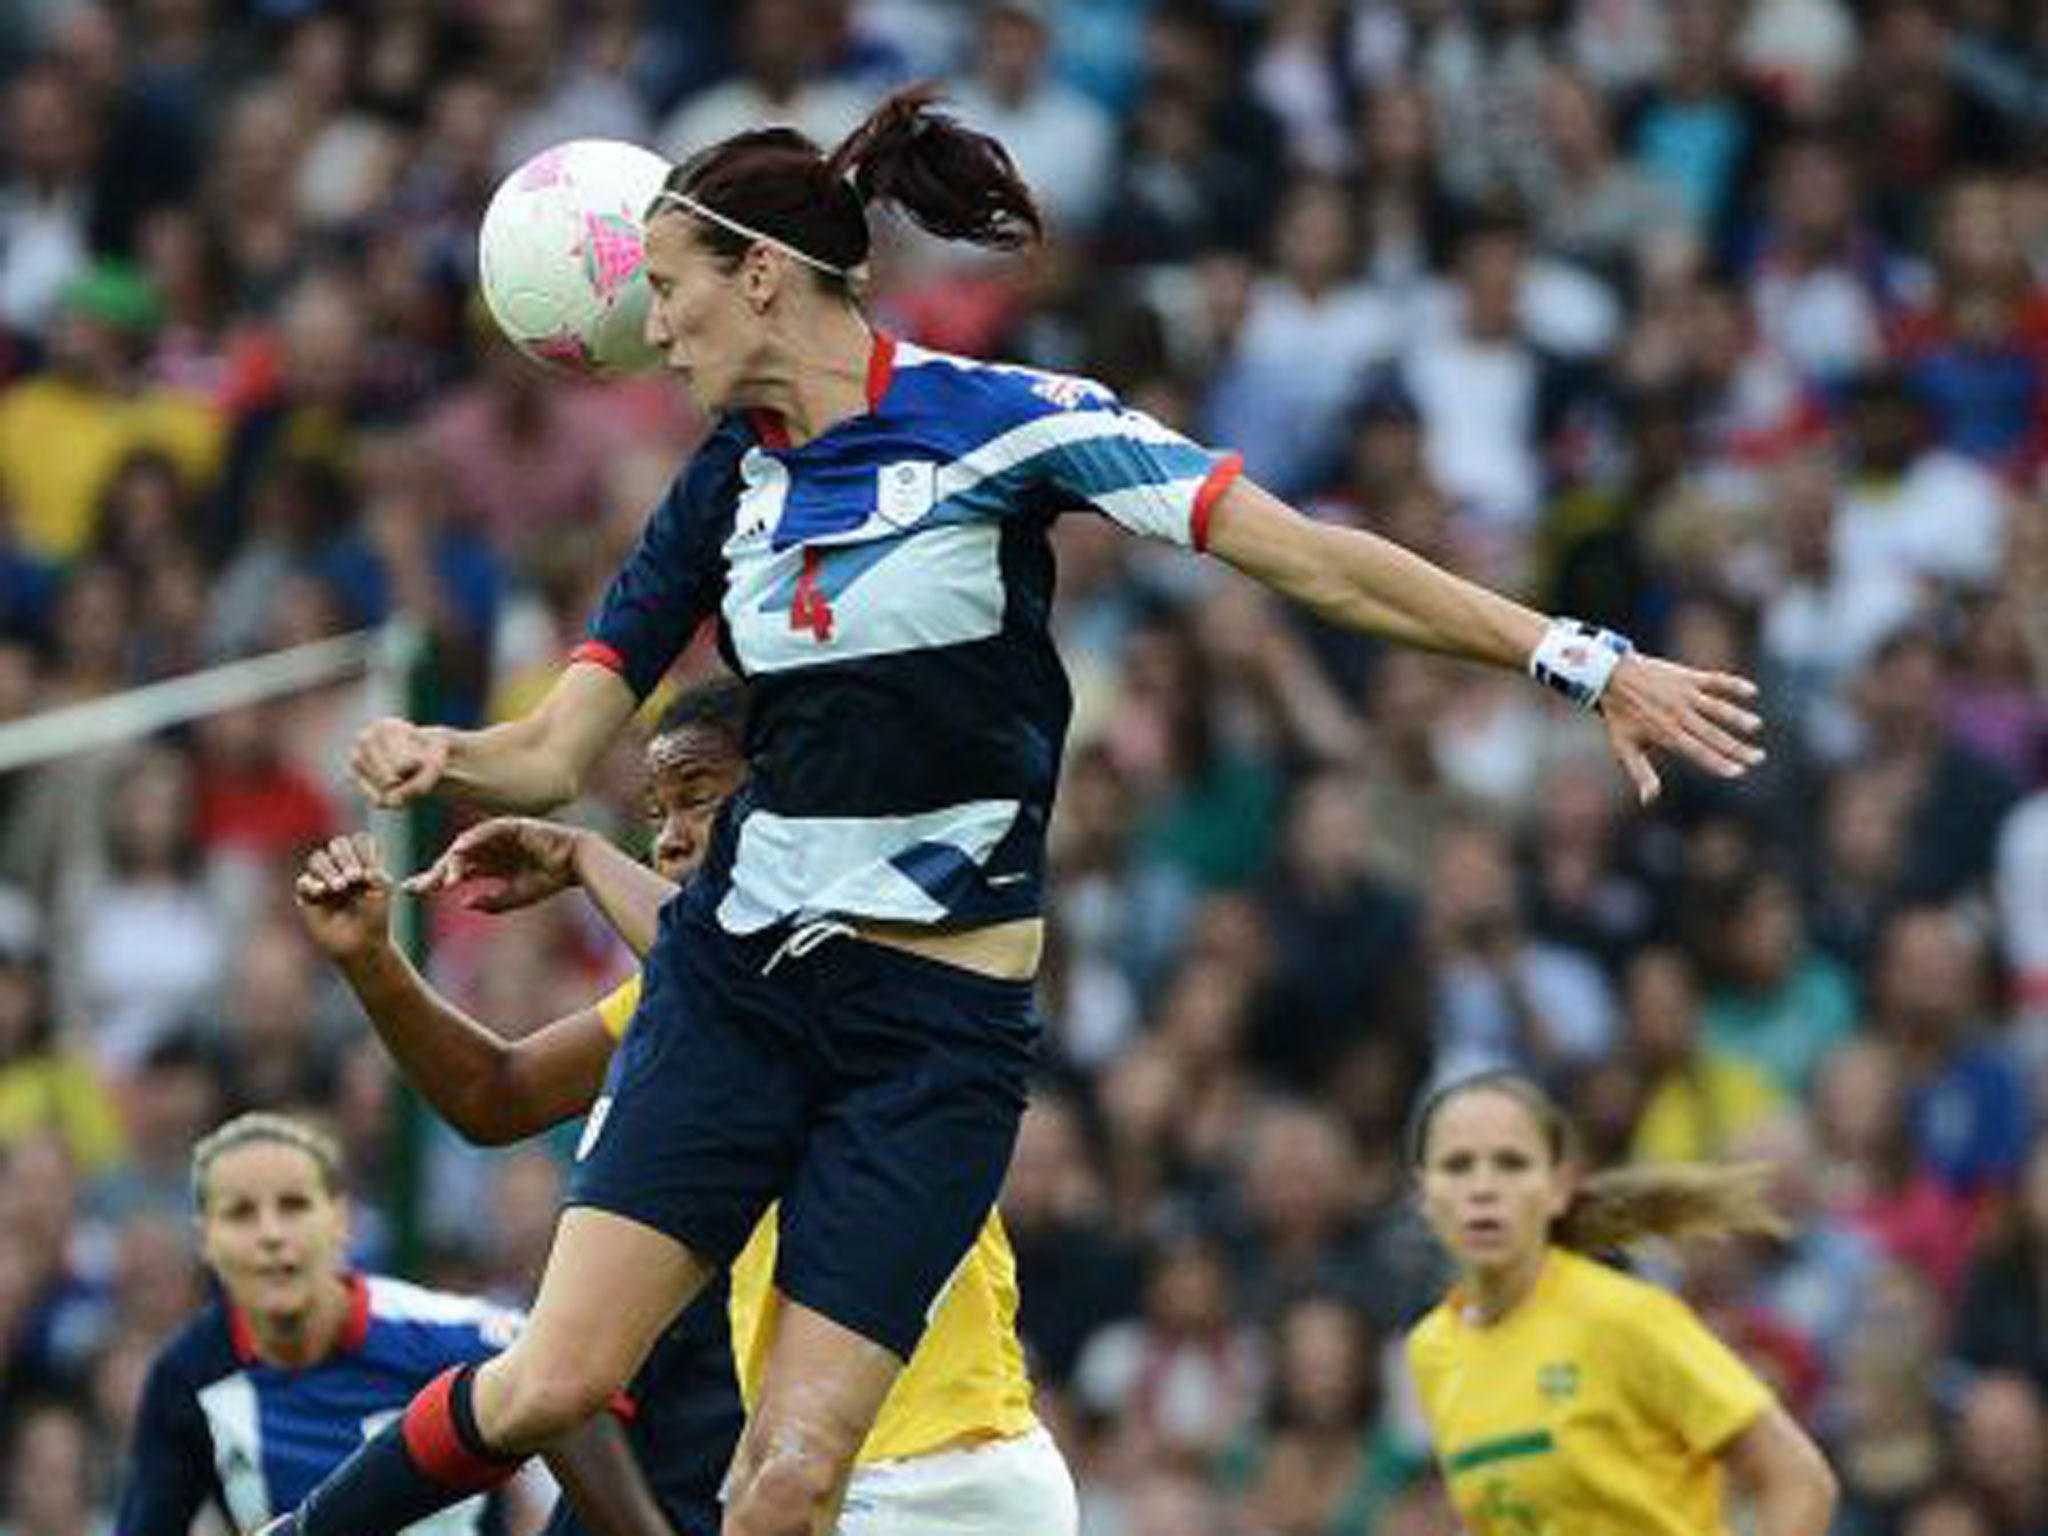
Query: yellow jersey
x=966, y=1379
x=61, y=445
x=1597, y=1407
x=1704, y=1115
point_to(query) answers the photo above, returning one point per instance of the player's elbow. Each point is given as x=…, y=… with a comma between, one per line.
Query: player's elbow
x=1820, y=1489
x=1794, y=1488
x=490, y=1130
x=559, y=740
x=485, y=1111
x=551, y=775
x=479, y=1120
x=1804, y=1469
x=510, y=1106
x=568, y=784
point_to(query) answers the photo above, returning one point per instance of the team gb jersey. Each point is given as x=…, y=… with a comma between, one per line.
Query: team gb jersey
x=886, y=589
x=219, y=1426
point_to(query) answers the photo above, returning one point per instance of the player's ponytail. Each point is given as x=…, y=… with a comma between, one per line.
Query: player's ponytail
x=957, y=183
x=1623, y=1206
x=775, y=185
x=1620, y=1206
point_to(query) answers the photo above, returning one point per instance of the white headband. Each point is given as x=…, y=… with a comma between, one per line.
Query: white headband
x=689, y=204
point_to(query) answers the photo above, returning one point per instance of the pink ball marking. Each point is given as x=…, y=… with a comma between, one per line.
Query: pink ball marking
x=564, y=347
x=612, y=252
x=549, y=168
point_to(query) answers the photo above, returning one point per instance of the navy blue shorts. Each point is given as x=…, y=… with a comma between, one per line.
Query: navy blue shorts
x=875, y=1092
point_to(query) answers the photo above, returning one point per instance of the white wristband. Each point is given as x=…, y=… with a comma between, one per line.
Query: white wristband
x=1576, y=659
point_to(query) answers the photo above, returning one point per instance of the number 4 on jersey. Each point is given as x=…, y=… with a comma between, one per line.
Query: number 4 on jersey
x=810, y=608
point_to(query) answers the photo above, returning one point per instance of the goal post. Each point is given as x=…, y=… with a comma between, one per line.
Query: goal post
x=396, y=665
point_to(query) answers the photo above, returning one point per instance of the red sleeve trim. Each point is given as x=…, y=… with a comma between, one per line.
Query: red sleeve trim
x=1214, y=484
x=605, y=656
x=436, y=1447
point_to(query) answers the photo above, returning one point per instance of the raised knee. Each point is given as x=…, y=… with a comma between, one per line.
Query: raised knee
x=793, y=1481
x=547, y=1403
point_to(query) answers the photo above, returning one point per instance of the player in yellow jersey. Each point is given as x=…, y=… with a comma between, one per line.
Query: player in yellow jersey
x=1564, y=1397
x=956, y=1448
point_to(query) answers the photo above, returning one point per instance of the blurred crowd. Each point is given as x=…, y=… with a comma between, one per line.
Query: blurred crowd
x=1721, y=322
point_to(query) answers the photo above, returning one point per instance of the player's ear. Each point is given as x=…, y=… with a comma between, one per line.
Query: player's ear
x=1564, y=1185
x=763, y=270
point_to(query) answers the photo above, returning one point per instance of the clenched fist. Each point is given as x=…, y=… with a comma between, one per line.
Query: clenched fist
x=395, y=760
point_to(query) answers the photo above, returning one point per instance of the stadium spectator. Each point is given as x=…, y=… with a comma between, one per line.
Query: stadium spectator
x=45, y=200
x=1324, y=1458
x=155, y=948
x=1998, y=1318
x=550, y=92
x=1700, y=1103
x=1074, y=1275
x=1179, y=1382
x=47, y=1084
x=1060, y=139
x=1503, y=996
x=1871, y=1176
x=49, y=1472
x=1773, y=997
x=2002, y=1450
x=1967, y=1101
x=782, y=78
x=95, y=399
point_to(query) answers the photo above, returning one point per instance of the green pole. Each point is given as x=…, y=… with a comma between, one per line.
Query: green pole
x=405, y=685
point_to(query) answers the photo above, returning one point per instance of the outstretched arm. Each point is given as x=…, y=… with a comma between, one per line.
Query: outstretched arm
x=1361, y=581
x=1364, y=582
x=627, y=892
x=515, y=861
x=492, y=1090
x=529, y=764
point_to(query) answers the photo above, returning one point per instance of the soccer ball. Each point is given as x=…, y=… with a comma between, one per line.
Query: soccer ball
x=560, y=252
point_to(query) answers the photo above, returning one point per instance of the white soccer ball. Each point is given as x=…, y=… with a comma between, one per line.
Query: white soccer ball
x=560, y=255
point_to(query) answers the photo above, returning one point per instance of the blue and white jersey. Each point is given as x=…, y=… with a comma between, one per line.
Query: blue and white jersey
x=886, y=588
x=217, y=1425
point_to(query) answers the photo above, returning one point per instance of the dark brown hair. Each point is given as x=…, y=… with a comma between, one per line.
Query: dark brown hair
x=1620, y=1206
x=957, y=183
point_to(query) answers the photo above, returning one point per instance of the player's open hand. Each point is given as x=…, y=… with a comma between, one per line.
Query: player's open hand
x=394, y=761
x=1651, y=704
x=344, y=897
x=506, y=863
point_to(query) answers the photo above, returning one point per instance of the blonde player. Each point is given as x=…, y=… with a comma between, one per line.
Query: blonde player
x=1562, y=1395
x=296, y=1358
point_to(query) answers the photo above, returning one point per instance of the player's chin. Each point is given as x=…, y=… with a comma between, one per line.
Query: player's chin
x=279, y=1293
x=704, y=391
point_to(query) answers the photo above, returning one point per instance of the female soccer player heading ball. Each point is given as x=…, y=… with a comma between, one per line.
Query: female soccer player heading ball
x=838, y=1013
